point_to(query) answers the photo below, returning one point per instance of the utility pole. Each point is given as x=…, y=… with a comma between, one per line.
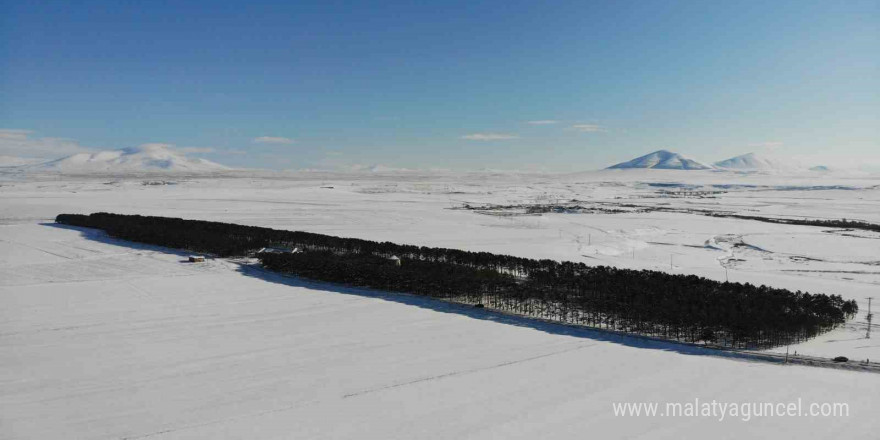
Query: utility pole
x=589, y=239
x=870, y=316
x=670, y=261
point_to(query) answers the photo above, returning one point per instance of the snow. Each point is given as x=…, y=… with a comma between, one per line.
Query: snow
x=754, y=162
x=148, y=158
x=14, y=161
x=108, y=339
x=662, y=159
x=749, y=163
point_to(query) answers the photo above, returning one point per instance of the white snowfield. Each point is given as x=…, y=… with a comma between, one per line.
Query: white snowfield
x=106, y=339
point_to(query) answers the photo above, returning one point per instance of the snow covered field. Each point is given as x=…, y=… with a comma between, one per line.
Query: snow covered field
x=105, y=339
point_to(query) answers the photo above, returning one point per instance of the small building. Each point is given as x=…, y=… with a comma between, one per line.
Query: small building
x=196, y=259
x=395, y=259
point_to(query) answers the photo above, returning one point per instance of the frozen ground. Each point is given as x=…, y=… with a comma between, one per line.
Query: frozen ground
x=102, y=339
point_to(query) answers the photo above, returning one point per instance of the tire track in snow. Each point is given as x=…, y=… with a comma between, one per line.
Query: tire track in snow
x=462, y=372
x=36, y=248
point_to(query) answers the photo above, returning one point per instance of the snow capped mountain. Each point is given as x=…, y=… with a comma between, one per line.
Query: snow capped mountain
x=750, y=162
x=662, y=159
x=754, y=162
x=148, y=158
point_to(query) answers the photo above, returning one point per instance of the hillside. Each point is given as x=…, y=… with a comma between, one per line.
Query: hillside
x=664, y=160
x=754, y=162
x=149, y=158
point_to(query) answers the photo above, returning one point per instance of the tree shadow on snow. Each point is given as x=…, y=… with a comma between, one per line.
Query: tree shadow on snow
x=102, y=237
x=484, y=314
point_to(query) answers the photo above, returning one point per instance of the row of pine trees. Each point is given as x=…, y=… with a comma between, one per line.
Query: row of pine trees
x=683, y=308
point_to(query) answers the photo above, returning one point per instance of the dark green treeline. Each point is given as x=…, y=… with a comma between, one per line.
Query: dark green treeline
x=684, y=308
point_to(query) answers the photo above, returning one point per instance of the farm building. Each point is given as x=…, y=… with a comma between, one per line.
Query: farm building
x=196, y=259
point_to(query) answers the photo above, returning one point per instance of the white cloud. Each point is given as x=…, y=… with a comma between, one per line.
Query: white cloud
x=588, y=128
x=273, y=140
x=489, y=136
x=543, y=122
x=22, y=143
x=14, y=134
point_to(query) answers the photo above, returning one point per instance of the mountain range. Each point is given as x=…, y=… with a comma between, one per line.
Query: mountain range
x=149, y=158
x=164, y=159
x=750, y=162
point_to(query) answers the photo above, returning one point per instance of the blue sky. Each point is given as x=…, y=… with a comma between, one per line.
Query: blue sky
x=562, y=86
